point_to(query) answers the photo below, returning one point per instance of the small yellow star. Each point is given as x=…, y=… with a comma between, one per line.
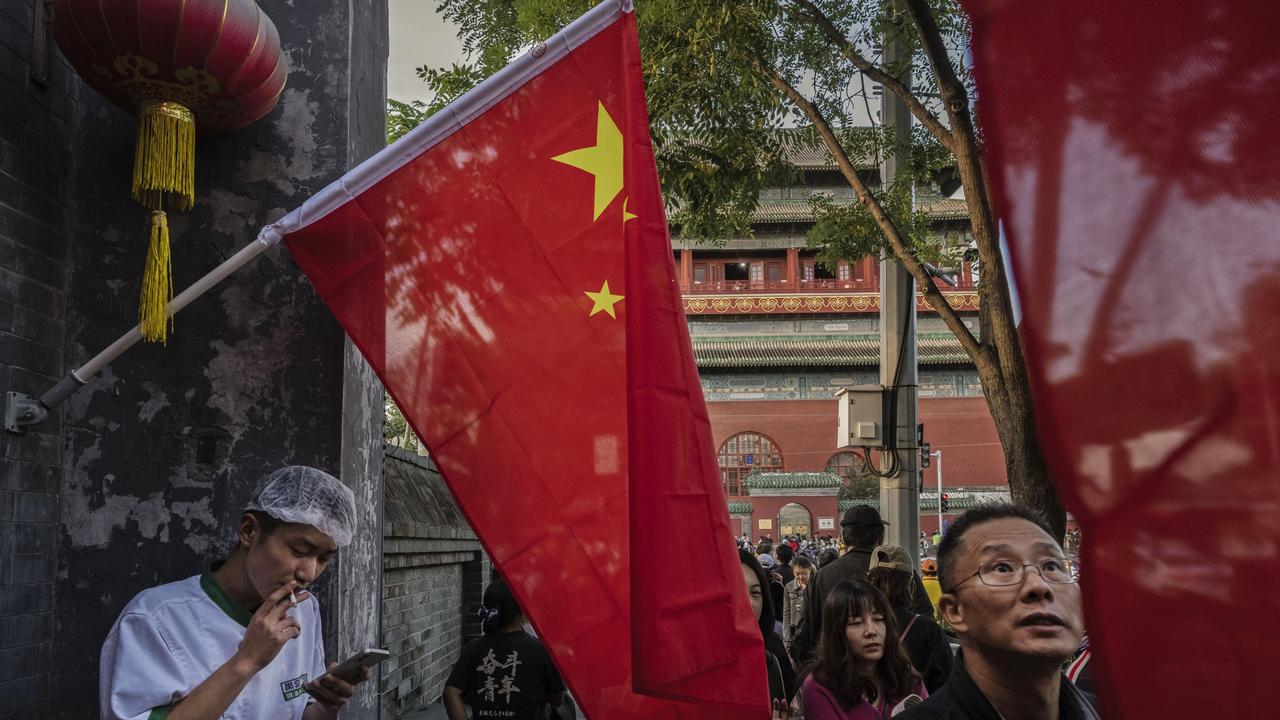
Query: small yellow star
x=604, y=301
x=627, y=214
x=604, y=160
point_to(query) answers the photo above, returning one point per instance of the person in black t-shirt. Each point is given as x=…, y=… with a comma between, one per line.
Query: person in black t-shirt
x=506, y=673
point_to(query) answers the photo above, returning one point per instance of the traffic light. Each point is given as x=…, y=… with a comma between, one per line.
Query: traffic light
x=945, y=502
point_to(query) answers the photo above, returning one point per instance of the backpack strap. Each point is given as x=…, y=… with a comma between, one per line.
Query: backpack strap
x=907, y=629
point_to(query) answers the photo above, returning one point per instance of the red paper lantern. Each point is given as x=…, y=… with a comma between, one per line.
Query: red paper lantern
x=179, y=66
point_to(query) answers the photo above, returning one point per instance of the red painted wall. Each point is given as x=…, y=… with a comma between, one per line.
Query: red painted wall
x=805, y=430
x=818, y=507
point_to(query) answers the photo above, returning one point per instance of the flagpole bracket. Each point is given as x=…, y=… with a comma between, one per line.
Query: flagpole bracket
x=21, y=410
x=270, y=235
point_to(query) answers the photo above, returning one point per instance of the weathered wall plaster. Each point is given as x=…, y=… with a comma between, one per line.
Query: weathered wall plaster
x=162, y=451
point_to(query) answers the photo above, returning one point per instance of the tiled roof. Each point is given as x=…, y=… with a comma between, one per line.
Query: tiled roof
x=806, y=153
x=738, y=507
x=958, y=499
x=824, y=352
x=964, y=500
x=758, y=479
x=780, y=211
x=944, y=209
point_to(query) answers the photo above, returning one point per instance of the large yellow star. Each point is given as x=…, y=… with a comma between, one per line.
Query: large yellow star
x=604, y=160
x=604, y=301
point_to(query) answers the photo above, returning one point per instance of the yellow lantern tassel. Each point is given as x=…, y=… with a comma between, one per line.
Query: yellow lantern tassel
x=164, y=159
x=154, y=319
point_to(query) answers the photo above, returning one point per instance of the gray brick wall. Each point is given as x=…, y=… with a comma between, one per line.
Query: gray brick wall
x=433, y=570
x=35, y=208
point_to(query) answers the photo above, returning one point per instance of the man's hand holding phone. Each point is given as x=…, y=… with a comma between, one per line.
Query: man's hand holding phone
x=335, y=688
x=332, y=692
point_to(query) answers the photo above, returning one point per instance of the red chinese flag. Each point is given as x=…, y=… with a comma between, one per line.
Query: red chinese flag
x=506, y=270
x=1132, y=148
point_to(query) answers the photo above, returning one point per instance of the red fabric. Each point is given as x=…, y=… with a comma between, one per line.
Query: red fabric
x=1131, y=145
x=569, y=439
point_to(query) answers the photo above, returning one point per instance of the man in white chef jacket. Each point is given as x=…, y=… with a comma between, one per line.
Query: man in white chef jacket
x=241, y=641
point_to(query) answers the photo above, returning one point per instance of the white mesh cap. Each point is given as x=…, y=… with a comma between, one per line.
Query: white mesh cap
x=301, y=494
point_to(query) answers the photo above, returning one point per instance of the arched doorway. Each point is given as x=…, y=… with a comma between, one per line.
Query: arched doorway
x=794, y=519
x=851, y=467
x=743, y=453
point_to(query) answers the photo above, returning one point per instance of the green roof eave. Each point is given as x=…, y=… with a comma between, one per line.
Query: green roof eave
x=791, y=480
x=958, y=500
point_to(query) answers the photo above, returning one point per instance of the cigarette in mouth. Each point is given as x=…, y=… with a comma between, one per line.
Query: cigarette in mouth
x=293, y=598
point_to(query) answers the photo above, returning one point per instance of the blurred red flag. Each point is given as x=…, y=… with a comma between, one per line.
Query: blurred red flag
x=506, y=270
x=1132, y=149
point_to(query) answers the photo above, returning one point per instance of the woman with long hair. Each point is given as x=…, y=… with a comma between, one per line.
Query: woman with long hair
x=782, y=677
x=860, y=670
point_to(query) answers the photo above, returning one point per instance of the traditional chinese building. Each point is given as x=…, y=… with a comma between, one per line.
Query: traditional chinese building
x=776, y=333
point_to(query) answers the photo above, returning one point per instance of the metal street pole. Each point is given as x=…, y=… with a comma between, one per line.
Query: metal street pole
x=899, y=493
x=937, y=454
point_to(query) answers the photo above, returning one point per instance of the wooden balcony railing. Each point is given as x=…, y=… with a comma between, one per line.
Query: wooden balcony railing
x=747, y=287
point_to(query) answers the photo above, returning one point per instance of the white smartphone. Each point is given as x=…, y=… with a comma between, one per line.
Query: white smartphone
x=349, y=669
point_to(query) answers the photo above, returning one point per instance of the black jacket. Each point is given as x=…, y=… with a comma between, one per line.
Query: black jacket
x=778, y=594
x=785, y=571
x=782, y=676
x=927, y=647
x=960, y=699
x=852, y=565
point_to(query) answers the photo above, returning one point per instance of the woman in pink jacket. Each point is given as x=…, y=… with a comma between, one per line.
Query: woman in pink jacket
x=860, y=670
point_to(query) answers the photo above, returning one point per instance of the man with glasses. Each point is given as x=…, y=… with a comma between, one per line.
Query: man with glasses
x=1010, y=597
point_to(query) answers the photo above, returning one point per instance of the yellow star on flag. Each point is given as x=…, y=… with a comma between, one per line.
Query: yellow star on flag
x=604, y=160
x=627, y=214
x=604, y=301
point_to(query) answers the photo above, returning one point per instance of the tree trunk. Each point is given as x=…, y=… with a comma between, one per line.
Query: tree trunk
x=997, y=351
x=1030, y=484
x=1002, y=365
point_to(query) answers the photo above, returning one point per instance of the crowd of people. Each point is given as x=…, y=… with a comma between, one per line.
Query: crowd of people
x=852, y=628
x=869, y=634
x=811, y=548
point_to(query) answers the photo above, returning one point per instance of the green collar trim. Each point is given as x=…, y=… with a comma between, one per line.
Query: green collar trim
x=220, y=598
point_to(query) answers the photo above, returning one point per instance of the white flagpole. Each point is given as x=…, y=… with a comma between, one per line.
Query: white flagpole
x=21, y=410
x=268, y=237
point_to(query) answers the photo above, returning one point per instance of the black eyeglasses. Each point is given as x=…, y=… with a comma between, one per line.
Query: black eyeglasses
x=1005, y=573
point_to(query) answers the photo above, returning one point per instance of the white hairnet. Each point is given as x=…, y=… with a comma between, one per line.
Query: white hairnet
x=300, y=494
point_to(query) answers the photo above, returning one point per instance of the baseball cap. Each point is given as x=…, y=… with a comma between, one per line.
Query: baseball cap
x=860, y=515
x=892, y=557
x=929, y=566
x=766, y=560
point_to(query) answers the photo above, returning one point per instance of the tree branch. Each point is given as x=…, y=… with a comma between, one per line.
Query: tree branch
x=932, y=294
x=810, y=13
x=999, y=329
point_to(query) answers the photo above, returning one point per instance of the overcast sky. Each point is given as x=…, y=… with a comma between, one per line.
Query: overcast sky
x=418, y=37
